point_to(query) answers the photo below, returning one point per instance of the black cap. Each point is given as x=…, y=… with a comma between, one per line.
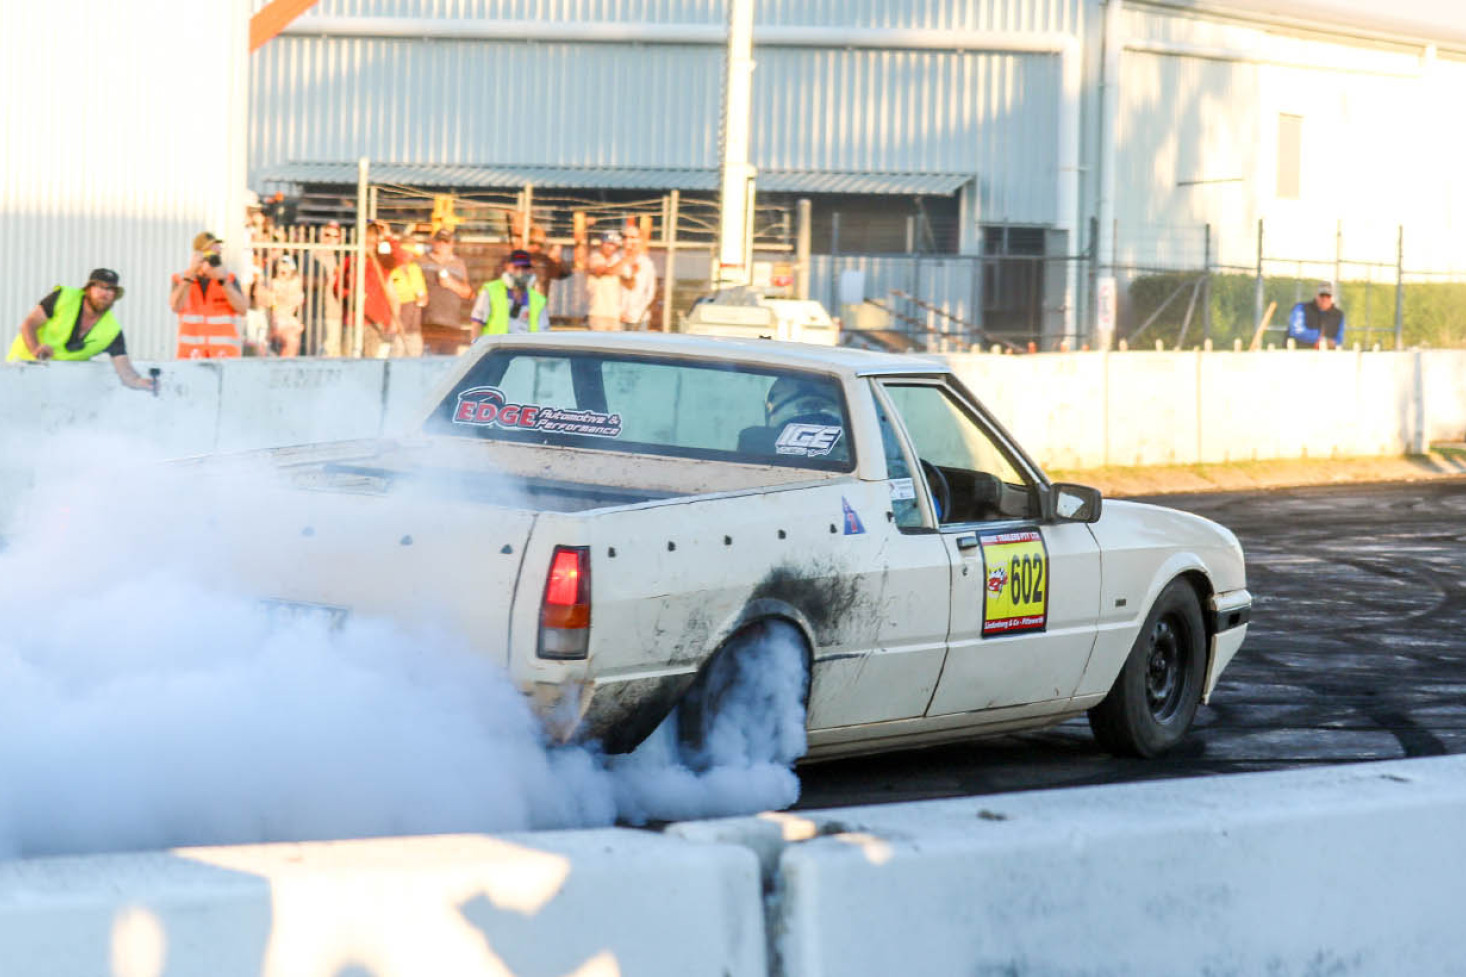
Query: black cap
x=105, y=276
x=521, y=259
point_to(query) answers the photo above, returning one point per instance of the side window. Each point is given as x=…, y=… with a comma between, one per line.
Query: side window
x=898, y=475
x=538, y=380
x=971, y=477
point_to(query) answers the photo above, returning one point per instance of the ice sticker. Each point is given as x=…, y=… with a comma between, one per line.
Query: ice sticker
x=809, y=440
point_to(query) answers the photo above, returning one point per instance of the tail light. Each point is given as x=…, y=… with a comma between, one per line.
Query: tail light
x=565, y=611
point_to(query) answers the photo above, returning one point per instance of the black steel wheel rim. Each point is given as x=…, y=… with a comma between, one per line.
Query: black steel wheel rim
x=1165, y=668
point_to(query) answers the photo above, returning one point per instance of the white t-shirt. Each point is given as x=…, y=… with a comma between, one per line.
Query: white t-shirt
x=641, y=277
x=604, y=291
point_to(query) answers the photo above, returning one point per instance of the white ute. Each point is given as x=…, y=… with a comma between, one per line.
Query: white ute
x=616, y=518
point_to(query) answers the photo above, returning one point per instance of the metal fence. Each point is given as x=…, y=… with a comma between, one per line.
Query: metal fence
x=915, y=299
x=1176, y=288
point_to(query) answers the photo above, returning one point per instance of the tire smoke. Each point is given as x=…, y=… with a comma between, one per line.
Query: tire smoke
x=148, y=701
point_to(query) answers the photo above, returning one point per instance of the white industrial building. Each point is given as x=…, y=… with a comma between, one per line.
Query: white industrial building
x=960, y=142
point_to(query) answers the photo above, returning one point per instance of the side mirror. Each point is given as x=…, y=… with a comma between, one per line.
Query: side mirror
x=1074, y=503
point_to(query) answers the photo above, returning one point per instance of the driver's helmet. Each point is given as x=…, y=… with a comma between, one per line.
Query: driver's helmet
x=791, y=398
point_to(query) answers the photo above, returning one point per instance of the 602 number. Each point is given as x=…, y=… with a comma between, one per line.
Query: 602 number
x=1026, y=578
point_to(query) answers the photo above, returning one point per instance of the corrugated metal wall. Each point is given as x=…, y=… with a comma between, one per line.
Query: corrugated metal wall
x=1018, y=15
x=992, y=115
x=1198, y=144
x=323, y=98
x=120, y=145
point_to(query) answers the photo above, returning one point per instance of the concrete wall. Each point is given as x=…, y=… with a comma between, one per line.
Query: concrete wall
x=567, y=904
x=1069, y=410
x=1338, y=870
x=1088, y=410
x=1341, y=870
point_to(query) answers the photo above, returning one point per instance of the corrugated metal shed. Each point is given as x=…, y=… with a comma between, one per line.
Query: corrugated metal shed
x=953, y=116
x=1028, y=15
x=610, y=178
x=102, y=165
x=1198, y=134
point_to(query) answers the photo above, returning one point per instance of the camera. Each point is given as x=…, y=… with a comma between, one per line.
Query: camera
x=213, y=260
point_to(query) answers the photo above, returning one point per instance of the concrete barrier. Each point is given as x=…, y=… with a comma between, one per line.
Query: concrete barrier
x=410, y=383
x=1344, y=870
x=267, y=402
x=1070, y=410
x=558, y=904
x=42, y=400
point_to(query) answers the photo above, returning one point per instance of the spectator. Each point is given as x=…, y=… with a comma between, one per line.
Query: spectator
x=207, y=298
x=546, y=263
x=511, y=303
x=381, y=326
x=321, y=291
x=77, y=324
x=412, y=294
x=638, y=282
x=288, y=293
x=446, y=277
x=603, y=283
x=280, y=211
x=1318, y=323
x=257, y=222
x=261, y=300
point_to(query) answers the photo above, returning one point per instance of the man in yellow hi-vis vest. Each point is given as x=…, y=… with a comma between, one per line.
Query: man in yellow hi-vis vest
x=511, y=303
x=77, y=324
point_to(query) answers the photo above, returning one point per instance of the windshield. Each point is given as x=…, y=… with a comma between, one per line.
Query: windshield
x=652, y=405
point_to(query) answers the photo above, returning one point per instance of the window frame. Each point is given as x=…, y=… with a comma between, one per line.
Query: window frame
x=988, y=425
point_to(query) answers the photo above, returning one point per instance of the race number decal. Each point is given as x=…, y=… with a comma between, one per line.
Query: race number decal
x=1016, y=582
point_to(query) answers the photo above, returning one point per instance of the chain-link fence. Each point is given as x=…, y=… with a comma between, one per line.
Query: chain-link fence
x=1180, y=287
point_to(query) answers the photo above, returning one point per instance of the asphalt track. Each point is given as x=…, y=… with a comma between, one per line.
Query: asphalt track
x=1356, y=652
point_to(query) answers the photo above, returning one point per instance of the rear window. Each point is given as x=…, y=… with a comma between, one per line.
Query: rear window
x=650, y=405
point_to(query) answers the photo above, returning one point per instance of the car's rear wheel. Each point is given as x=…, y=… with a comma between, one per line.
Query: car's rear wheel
x=748, y=705
x=1153, y=703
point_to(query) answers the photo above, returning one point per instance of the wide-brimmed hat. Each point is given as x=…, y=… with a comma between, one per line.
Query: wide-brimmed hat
x=105, y=276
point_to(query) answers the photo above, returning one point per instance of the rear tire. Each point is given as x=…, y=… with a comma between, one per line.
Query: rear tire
x=749, y=703
x=1154, y=700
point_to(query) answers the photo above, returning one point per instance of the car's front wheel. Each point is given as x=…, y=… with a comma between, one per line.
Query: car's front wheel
x=1153, y=703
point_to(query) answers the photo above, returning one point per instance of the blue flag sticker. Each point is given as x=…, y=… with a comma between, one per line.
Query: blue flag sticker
x=853, y=525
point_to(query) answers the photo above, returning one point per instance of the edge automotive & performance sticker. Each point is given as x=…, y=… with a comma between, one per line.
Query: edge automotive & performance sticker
x=1015, y=595
x=487, y=407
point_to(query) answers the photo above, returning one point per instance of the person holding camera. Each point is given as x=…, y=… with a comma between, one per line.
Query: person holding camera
x=78, y=324
x=207, y=298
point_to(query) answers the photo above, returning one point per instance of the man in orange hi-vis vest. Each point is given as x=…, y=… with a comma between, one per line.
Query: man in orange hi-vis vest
x=207, y=298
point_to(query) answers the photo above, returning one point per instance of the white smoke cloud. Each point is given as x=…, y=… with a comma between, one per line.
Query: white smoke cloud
x=146, y=701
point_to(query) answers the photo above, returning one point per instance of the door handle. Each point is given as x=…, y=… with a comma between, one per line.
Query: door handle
x=967, y=542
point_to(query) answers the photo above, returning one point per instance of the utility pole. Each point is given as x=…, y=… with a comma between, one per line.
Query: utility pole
x=735, y=211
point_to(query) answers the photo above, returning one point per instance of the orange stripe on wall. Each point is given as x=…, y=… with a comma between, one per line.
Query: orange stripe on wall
x=273, y=18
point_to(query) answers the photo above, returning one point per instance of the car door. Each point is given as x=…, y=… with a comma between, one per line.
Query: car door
x=906, y=568
x=1025, y=592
